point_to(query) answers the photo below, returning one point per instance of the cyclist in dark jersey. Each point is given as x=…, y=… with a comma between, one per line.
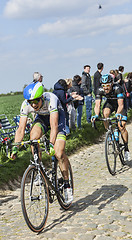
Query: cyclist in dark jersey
x=114, y=103
x=49, y=114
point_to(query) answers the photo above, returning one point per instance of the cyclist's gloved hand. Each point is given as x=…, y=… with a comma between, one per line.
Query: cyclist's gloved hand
x=14, y=152
x=51, y=150
x=94, y=118
x=118, y=116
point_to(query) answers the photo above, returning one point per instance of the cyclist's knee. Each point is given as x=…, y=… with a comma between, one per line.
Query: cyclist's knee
x=122, y=127
x=35, y=134
x=59, y=155
x=106, y=114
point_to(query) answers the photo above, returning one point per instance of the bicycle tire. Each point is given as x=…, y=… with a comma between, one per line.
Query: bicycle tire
x=110, y=154
x=35, y=206
x=59, y=184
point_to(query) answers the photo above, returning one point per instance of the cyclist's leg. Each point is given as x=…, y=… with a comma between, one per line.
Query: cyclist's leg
x=60, y=154
x=64, y=167
x=123, y=130
x=36, y=131
x=106, y=113
x=124, y=134
x=59, y=145
x=39, y=127
x=107, y=110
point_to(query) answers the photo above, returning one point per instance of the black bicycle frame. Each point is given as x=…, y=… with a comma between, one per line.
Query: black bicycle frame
x=42, y=168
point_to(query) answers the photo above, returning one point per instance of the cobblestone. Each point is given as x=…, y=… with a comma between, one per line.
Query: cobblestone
x=101, y=210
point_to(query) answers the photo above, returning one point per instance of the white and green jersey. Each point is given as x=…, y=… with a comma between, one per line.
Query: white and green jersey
x=50, y=104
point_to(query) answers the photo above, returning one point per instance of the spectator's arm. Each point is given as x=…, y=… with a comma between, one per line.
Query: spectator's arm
x=63, y=99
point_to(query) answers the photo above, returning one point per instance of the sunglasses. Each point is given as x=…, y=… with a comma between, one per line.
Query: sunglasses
x=106, y=85
x=34, y=101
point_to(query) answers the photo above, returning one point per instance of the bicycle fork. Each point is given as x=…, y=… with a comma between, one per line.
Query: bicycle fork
x=117, y=150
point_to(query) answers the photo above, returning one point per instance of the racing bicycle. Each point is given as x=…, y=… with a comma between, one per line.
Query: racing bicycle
x=40, y=186
x=114, y=144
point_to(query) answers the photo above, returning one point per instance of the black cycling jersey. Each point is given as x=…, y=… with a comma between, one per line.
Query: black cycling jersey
x=112, y=97
x=114, y=94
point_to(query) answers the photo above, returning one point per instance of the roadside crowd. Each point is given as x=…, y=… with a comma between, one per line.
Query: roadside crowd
x=81, y=90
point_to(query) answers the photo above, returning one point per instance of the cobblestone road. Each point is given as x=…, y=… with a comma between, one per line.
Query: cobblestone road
x=101, y=210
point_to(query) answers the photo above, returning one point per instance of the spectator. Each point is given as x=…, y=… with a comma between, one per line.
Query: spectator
x=112, y=73
x=87, y=90
x=129, y=76
x=127, y=89
x=120, y=76
x=78, y=104
x=116, y=75
x=60, y=89
x=97, y=76
x=71, y=112
x=37, y=77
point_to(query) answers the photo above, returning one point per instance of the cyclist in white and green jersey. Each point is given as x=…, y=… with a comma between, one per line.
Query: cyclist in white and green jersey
x=50, y=115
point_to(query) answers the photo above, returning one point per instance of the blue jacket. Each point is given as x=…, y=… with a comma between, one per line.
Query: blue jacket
x=60, y=92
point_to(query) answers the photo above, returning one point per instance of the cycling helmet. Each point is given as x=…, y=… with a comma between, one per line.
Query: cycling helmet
x=33, y=91
x=106, y=78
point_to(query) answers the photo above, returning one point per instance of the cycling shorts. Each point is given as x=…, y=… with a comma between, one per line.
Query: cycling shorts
x=43, y=121
x=113, y=107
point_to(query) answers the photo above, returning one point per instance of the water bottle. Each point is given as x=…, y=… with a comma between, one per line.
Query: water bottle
x=116, y=134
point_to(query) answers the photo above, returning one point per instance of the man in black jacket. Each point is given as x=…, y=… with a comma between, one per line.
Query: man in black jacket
x=87, y=90
x=97, y=77
x=78, y=104
x=120, y=75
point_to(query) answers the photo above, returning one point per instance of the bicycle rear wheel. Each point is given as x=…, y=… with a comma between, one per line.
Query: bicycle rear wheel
x=110, y=153
x=59, y=184
x=34, y=199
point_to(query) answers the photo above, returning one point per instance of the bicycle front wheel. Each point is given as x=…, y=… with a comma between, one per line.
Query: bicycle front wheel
x=59, y=183
x=34, y=198
x=110, y=153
